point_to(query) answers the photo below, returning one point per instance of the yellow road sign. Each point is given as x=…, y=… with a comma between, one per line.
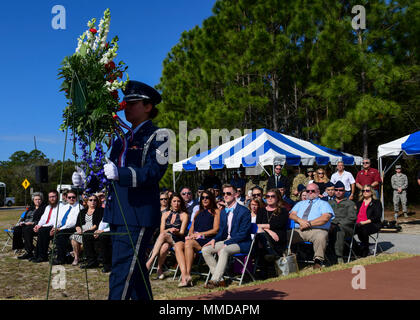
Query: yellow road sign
x=25, y=184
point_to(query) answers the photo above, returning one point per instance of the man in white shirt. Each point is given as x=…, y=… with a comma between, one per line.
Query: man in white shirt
x=44, y=226
x=66, y=222
x=346, y=178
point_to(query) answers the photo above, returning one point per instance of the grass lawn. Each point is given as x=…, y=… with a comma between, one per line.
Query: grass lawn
x=21, y=279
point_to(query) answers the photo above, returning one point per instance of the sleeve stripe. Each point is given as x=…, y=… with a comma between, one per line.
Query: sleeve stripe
x=134, y=177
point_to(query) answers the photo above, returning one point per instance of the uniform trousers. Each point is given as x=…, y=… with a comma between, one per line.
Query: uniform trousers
x=337, y=236
x=400, y=197
x=128, y=280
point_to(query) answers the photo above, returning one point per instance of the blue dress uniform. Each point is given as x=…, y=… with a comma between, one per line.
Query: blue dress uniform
x=136, y=194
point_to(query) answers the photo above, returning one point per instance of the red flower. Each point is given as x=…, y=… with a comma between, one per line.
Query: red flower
x=115, y=116
x=107, y=45
x=93, y=30
x=115, y=94
x=110, y=65
x=123, y=104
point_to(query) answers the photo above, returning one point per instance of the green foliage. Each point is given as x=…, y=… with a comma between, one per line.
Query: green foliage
x=298, y=68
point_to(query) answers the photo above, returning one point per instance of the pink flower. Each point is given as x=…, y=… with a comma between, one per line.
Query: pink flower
x=93, y=30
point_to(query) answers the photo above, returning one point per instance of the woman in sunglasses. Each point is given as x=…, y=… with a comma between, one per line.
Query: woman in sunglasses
x=272, y=228
x=203, y=228
x=87, y=222
x=369, y=215
x=173, y=226
x=321, y=180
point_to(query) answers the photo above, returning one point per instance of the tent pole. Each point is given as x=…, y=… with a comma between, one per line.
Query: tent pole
x=264, y=169
x=173, y=179
x=399, y=156
x=382, y=187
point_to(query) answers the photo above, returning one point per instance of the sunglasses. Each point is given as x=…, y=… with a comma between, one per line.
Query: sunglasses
x=367, y=190
x=269, y=196
x=92, y=200
x=227, y=193
x=166, y=199
x=256, y=195
x=366, y=162
x=320, y=172
x=311, y=191
x=185, y=193
x=205, y=198
x=72, y=197
x=339, y=190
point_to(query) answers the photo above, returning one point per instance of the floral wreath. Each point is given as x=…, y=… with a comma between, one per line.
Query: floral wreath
x=91, y=83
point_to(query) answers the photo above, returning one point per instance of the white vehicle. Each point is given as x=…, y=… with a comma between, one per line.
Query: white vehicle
x=9, y=201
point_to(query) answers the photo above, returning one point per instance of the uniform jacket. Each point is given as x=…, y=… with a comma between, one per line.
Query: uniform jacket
x=345, y=212
x=399, y=181
x=240, y=232
x=137, y=187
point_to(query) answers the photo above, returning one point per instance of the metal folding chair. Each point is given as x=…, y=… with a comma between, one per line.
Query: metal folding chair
x=375, y=238
x=9, y=232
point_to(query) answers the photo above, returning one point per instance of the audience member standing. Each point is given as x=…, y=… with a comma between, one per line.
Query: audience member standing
x=346, y=178
x=278, y=179
x=399, y=182
x=321, y=180
x=368, y=176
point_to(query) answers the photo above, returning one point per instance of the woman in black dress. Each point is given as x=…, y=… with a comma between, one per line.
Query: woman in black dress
x=203, y=228
x=272, y=224
x=173, y=226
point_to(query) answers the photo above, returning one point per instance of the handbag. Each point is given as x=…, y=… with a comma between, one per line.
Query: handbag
x=288, y=263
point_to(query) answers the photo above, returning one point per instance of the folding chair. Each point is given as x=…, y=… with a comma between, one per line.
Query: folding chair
x=371, y=236
x=9, y=232
x=292, y=227
x=238, y=258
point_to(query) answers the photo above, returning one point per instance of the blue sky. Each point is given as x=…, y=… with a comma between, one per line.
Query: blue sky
x=31, y=53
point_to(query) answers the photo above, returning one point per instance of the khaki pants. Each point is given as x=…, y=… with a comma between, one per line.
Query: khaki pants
x=217, y=268
x=318, y=237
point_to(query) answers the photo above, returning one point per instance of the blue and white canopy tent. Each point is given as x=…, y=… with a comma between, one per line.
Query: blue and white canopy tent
x=261, y=148
x=407, y=146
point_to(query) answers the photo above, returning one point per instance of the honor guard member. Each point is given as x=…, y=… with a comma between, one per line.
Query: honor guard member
x=134, y=195
x=399, y=182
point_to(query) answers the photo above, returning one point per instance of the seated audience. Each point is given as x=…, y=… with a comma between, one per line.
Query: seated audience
x=173, y=226
x=312, y=219
x=329, y=193
x=233, y=237
x=44, y=227
x=23, y=232
x=164, y=202
x=67, y=218
x=369, y=214
x=103, y=246
x=87, y=222
x=203, y=229
x=272, y=224
x=255, y=206
x=343, y=223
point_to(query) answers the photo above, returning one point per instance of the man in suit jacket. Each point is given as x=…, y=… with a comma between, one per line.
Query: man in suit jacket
x=234, y=237
x=277, y=179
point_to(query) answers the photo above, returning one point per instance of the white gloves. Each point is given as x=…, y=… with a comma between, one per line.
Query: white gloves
x=110, y=170
x=78, y=178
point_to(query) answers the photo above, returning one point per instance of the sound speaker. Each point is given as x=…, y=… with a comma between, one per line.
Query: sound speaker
x=41, y=174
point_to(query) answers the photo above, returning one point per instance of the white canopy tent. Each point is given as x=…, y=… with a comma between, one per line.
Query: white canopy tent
x=261, y=148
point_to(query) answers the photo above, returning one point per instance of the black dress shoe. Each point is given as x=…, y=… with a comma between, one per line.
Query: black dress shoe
x=39, y=260
x=26, y=256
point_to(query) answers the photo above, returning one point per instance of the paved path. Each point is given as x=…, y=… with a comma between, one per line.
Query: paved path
x=384, y=281
x=400, y=242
